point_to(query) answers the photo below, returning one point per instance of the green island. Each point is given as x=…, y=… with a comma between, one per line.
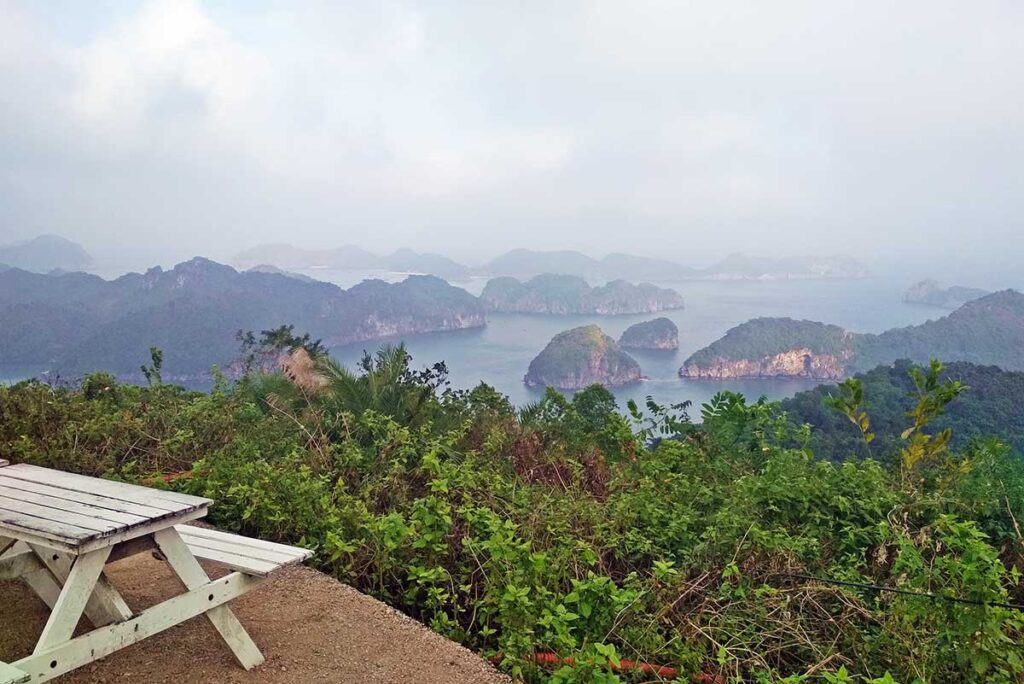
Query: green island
x=659, y=333
x=988, y=330
x=566, y=294
x=633, y=548
x=580, y=357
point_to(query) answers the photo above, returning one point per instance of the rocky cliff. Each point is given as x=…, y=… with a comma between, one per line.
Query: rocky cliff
x=564, y=294
x=580, y=357
x=796, y=363
x=774, y=347
x=660, y=333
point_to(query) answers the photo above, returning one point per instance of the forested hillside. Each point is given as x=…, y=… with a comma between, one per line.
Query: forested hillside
x=990, y=407
x=572, y=544
x=989, y=330
x=73, y=323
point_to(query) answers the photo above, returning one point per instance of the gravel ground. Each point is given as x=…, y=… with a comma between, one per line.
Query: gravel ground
x=310, y=627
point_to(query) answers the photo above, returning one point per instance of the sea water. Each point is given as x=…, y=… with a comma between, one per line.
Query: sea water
x=500, y=353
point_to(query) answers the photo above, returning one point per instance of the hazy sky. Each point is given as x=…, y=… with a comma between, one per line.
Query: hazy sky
x=167, y=128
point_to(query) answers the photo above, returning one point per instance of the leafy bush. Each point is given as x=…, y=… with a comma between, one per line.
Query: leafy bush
x=712, y=549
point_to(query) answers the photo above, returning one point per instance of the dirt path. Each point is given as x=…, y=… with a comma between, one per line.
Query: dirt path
x=310, y=628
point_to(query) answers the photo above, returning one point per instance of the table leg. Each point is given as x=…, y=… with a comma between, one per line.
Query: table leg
x=38, y=577
x=101, y=642
x=192, y=575
x=74, y=595
x=105, y=606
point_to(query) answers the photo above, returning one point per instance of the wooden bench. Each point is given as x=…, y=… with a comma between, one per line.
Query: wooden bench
x=244, y=554
x=11, y=675
x=59, y=530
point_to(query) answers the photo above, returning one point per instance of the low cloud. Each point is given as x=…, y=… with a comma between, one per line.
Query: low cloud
x=174, y=127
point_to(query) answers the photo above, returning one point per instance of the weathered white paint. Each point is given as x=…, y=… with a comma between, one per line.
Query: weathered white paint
x=62, y=504
x=77, y=514
x=191, y=531
x=11, y=675
x=95, y=500
x=67, y=526
x=73, y=597
x=180, y=558
x=18, y=562
x=45, y=665
x=158, y=498
x=104, y=606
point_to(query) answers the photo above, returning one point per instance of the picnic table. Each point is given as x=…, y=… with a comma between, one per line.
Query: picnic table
x=59, y=530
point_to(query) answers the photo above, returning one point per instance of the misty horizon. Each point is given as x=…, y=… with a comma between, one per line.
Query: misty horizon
x=156, y=130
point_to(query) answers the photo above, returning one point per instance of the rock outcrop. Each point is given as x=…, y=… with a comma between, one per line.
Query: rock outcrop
x=580, y=357
x=660, y=333
x=564, y=294
x=796, y=363
x=774, y=347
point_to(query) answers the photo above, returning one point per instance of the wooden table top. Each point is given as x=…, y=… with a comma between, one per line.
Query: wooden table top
x=76, y=513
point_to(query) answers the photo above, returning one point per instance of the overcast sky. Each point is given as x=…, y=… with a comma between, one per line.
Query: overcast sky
x=167, y=128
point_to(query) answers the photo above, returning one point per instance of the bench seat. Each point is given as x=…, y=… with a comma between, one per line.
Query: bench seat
x=244, y=554
x=12, y=675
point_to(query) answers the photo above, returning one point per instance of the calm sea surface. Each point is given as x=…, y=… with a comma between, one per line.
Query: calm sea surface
x=500, y=353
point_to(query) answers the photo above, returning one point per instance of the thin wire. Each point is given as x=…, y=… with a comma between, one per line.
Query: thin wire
x=907, y=592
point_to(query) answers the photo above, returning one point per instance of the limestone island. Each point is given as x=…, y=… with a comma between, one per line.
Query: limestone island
x=566, y=294
x=580, y=357
x=659, y=333
x=933, y=293
x=774, y=347
x=989, y=330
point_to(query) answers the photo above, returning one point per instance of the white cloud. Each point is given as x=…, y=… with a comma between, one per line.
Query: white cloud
x=167, y=56
x=552, y=123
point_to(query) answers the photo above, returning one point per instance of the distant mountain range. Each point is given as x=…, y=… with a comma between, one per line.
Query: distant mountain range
x=73, y=323
x=44, y=254
x=525, y=263
x=989, y=330
x=934, y=293
x=565, y=294
x=350, y=258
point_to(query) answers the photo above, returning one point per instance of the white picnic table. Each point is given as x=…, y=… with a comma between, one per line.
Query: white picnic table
x=59, y=530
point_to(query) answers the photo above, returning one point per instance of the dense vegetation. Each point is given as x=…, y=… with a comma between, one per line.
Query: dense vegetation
x=564, y=527
x=989, y=330
x=991, y=408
